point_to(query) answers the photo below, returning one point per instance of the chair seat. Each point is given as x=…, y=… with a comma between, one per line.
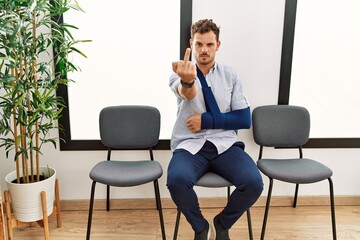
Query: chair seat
x=212, y=180
x=299, y=170
x=126, y=173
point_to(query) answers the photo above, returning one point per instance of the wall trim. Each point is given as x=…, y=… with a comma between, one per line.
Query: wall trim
x=167, y=203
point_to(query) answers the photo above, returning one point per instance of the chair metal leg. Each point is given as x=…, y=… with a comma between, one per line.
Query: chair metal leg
x=107, y=197
x=249, y=224
x=332, y=203
x=178, y=215
x=158, y=204
x=296, y=194
x=90, y=210
x=266, y=210
x=228, y=193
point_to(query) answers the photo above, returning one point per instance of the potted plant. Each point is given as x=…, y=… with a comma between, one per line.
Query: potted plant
x=29, y=107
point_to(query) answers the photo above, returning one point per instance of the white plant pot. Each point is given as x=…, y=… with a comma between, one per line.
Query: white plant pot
x=26, y=198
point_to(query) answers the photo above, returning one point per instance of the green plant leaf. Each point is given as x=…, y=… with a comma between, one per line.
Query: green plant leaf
x=24, y=58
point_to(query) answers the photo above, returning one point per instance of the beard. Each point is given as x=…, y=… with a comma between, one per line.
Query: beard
x=204, y=59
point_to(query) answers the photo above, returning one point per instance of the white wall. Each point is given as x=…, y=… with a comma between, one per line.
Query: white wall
x=251, y=42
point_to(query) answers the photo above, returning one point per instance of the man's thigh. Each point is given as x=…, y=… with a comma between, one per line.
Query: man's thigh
x=236, y=166
x=186, y=167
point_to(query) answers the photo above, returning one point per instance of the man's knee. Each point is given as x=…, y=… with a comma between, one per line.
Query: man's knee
x=179, y=183
x=253, y=188
x=256, y=187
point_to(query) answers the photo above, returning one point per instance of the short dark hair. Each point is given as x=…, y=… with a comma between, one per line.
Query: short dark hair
x=204, y=26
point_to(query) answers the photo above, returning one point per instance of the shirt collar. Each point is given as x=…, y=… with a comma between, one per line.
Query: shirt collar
x=214, y=68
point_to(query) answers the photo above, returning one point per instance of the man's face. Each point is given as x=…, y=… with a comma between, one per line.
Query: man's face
x=204, y=47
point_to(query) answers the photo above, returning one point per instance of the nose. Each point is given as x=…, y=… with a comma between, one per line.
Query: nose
x=203, y=50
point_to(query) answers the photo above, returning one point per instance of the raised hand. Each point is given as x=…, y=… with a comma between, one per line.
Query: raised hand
x=185, y=69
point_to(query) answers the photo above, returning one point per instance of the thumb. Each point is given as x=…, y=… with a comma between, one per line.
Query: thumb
x=174, y=66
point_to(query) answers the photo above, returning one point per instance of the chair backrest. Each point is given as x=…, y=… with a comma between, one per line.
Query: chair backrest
x=281, y=125
x=129, y=126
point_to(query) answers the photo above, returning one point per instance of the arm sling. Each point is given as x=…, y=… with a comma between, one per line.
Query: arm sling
x=214, y=119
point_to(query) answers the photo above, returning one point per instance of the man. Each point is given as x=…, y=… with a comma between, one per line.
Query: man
x=204, y=136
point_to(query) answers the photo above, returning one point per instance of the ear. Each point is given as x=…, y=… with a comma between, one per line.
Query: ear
x=190, y=42
x=218, y=45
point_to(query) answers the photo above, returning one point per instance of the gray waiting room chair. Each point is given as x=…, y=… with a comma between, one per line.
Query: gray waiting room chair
x=213, y=180
x=286, y=126
x=128, y=128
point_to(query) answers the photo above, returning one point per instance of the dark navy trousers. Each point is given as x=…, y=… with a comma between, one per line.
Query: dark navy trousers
x=234, y=164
